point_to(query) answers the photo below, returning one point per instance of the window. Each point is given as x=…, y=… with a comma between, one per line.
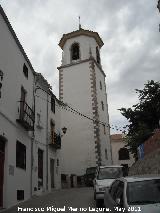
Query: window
x=100, y=85
x=102, y=104
x=52, y=104
x=20, y=155
x=63, y=177
x=0, y=88
x=106, y=155
x=109, y=173
x=143, y=192
x=1, y=75
x=20, y=194
x=38, y=118
x=25, y=71
x=22, y=101
x=1, y=78
x=57, y=162
x=123, y=154
x=52, y=132
x=75, y=51
x=97, y=55
x=23, y=94
x=104, y=128
x=40, y=168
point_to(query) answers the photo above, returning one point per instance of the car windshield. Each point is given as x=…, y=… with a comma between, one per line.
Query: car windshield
x=143, y=192
x=90, y=170
x=110, y=173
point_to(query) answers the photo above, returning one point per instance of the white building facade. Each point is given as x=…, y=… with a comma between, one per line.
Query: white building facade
x=16, y=117
x=30, y=133
x=82, y=88
x=120, y=154
x=46, y=167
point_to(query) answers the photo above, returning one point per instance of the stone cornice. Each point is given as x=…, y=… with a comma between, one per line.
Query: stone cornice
x=80, y=32
x=83, y=61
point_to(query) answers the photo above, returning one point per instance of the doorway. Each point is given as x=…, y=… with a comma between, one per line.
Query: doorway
x=40, y=169
x=2, y=156
x=52, y=173
x=22, y=101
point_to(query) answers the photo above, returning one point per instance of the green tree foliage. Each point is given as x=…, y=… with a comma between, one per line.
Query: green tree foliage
x=144, y=116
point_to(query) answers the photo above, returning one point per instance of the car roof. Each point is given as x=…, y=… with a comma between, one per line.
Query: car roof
x=112, y=166
x=139, y=178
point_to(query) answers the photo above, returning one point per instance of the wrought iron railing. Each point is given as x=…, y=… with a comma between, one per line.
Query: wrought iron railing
x=55, y=141
x=26, y=116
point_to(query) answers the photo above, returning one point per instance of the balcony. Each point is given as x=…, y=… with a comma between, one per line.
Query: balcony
x=55, y=141
x=26, y=116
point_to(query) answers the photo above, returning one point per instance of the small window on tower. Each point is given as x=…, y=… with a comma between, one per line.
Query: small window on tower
x=52, y=104
x=100, y=85
x=25, y=71
x=104, y=128
x=106, y=155
x=75, y=51
x=97, y=55
x=52, y=133
x=102, y=104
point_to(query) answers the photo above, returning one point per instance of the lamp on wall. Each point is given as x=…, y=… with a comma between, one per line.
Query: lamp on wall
x=64, y=130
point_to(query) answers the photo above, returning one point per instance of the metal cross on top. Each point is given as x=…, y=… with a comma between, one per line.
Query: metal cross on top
x=79, y=22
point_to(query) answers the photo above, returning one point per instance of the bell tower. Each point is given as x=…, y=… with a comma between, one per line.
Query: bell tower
x=82, y=87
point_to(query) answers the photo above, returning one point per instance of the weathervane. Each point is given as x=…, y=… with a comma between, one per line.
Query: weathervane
x=158, y=5
x=79, y=22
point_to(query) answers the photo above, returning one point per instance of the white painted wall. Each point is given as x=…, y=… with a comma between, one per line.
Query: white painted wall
x=78, y=150
x=116, y=145
x=42, y=139
x=11, y=63
x=55, y=153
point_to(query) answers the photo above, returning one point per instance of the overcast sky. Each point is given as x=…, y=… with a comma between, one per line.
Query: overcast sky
x=129, y=28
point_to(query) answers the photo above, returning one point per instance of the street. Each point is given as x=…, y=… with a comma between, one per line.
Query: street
x=64, y=198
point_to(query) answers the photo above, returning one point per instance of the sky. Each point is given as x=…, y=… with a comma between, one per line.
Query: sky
x=129, y=29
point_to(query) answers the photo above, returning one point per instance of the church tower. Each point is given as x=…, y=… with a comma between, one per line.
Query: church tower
x=82, y=87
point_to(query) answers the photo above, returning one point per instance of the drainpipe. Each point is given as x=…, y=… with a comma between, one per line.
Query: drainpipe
x=33, y=136
x=32, y=140
x=47, y=147
x=47, y=142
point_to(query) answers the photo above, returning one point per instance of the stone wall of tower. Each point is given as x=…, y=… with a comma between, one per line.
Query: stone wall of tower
x=78, y=147
x=87, y=142
x=103, y=116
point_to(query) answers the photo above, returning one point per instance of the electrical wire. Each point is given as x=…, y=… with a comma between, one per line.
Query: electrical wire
x=74, y=111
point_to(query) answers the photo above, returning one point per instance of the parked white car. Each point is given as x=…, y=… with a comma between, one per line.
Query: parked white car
x=134, y=194
x=105, y=175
